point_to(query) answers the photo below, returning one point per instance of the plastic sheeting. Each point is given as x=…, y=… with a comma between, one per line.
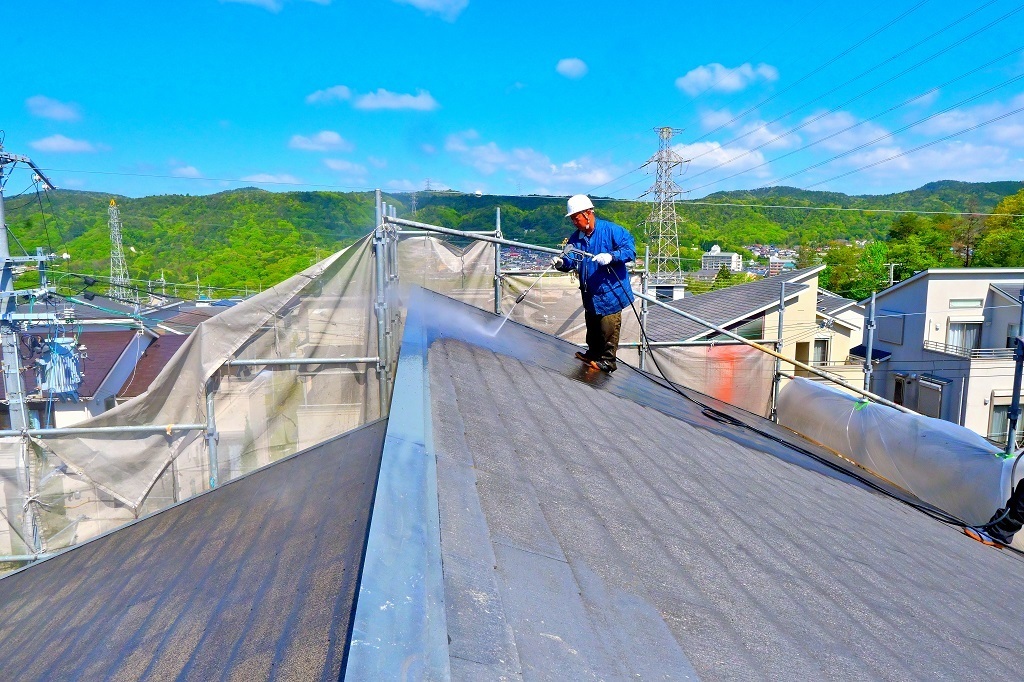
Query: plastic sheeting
x=941, y=463
x=86, y=485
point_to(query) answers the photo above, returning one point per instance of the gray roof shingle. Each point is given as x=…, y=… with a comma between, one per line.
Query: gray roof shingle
x=253, y=580
x=606, y=527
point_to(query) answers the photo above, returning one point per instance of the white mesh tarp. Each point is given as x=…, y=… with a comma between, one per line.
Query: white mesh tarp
x=941, y=463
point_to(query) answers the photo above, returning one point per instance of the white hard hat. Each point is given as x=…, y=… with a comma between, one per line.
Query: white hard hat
x=577, y=203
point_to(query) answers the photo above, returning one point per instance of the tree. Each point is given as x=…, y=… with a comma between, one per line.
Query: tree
x=1002, y=244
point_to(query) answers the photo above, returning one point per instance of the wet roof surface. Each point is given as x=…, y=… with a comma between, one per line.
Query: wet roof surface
x=596, y=526
x=252, y=580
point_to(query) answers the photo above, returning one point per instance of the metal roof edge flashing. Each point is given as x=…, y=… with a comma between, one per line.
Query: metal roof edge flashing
x=399, y=628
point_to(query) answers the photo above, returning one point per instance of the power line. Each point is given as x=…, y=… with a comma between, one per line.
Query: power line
x=920, y=147
x=841, y=208
x=848, y=128
x=813, y=72
x=865, y=92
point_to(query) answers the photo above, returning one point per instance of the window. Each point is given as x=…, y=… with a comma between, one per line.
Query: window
x=999, y=426
x=965, y=303
x=820, y=356
x=966, y=335
x=899, y=391
x=1012, y=332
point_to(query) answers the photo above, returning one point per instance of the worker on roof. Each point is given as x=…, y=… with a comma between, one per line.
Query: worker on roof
x=604, y=281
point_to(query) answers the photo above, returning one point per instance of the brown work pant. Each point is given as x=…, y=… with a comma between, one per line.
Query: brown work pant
x=603, y=335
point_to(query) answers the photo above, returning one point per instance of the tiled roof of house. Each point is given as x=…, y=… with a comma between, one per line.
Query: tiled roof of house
x=723, y=306
x=152, y=361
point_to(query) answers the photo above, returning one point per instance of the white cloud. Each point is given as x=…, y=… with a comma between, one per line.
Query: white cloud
x=710, y=154
x=926, y=99
x=273, y=5
x=60, y=144
x=528, y=164
x=270, y=5
x=723, y=79
x=384, y=99
x=1008, y=131
x=324, y=141
x=271, y=179
x=572, y=68
x=449, y=10
x=428, y=148
x=331, y=94
x=835, y=125
x=186, y=172
x=377, y=162
x=46, y=107
x=347, y=167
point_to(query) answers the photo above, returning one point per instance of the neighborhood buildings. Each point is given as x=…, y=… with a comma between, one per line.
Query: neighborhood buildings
x=945, y=338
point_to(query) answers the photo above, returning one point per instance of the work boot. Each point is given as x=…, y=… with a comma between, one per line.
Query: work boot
x=606, y=366
x=1003, y=526
x=982, y=536
x=585, y=359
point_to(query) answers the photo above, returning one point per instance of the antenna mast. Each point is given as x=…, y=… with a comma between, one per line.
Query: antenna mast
x=120, y=285
x=662, y=227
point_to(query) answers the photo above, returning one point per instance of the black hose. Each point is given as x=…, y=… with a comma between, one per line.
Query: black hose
x=719, y=416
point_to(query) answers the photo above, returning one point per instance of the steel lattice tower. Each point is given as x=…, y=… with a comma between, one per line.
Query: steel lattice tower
x=662, y=227
x=120, y=286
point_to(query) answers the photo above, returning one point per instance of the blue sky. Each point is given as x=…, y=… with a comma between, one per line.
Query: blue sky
x=199, y=96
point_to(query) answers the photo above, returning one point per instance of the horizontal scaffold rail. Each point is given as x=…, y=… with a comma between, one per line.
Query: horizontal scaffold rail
x=91, y=430
x=652, y=299
x=300, y=361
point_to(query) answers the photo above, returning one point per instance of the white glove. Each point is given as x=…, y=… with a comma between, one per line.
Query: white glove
x=557, y=262
x=603, y=258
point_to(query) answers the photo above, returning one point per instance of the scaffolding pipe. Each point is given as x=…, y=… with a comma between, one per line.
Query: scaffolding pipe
x=870, y=344
x=769, y=351
x=497, y=262
x=1018, y=356
x=211, y=432
x=300, y=361
x=777, y=379
x=93, y=430
x=646, y=297
x=380, y=307
x=645, y=288
x=481, y=236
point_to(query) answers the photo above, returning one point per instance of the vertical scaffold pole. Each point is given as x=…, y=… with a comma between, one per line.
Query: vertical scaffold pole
x=211, y=432
x=381, y=306
x=497, y=262
x=645, y=283
x=1018, y=356
x=870, y=345
x=777, y=380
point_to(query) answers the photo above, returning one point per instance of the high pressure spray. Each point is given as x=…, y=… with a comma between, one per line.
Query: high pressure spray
x=568, y=250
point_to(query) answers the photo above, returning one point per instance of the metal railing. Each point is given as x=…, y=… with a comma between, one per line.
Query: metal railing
x=971, y=353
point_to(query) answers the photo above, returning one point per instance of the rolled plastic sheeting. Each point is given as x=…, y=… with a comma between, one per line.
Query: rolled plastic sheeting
x=939, y=462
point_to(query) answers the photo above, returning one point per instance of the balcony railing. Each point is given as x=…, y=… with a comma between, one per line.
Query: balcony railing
x=972, y=353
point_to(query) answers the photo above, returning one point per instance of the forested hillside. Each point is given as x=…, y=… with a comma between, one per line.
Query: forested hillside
x=251, y=238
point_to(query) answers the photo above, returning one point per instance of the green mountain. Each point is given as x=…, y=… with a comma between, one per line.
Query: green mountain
x=251, y=238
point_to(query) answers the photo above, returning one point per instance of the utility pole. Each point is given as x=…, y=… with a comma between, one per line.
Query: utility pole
x=662, y=227
x=868, y=367
x=9, y=331
x=120, y=284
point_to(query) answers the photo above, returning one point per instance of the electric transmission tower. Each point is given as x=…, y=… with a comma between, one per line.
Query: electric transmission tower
x=662, y=227
x=120, y=286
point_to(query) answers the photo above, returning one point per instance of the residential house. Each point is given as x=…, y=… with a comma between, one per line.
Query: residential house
x=811, y=335
x=949, y=333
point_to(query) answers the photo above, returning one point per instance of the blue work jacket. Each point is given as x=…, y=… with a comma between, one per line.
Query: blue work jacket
x=606, y=289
